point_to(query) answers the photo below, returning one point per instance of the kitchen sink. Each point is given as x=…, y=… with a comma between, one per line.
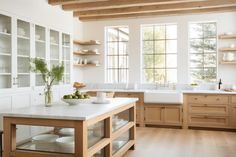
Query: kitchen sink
x=163, y=96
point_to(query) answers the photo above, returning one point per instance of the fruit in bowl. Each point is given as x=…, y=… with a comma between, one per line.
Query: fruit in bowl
x=76, y=98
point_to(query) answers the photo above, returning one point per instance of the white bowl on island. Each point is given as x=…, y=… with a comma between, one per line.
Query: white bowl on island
x=66, y=144
x=75, y=101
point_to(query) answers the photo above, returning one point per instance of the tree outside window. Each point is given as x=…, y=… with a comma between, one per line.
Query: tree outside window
x=203, y=52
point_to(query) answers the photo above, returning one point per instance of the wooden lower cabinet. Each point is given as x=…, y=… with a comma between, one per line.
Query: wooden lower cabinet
x=232, y=116
x=173, y=115
x=210, y=110
x=153, y=114
x=163, y=114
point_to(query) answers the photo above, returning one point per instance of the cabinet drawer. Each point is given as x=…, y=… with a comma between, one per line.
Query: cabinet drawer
x=208, y=109
x=208, y=99
x=233, y=99
x=208, y=121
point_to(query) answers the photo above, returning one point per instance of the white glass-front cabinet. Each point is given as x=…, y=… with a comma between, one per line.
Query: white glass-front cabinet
x=66, y=49
x=23, y=53
x=21, y=41
x=5, y=52
x=40, y=50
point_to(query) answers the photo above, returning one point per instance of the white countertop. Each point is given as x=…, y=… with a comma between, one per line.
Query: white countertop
x=206, y=92
x=166, y=91
x=62, y=110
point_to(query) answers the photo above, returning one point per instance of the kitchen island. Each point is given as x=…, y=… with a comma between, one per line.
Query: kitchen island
x=101, y=130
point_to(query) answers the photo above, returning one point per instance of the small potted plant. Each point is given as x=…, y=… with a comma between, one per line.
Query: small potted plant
x=48, y=76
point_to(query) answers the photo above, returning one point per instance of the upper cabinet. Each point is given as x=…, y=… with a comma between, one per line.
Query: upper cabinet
x=66, y=56
x=23, y=53
x=40, y=50
x=20, y=41
x=5, y=51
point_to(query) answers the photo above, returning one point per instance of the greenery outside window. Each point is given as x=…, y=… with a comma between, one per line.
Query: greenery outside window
x=159, y=48
x=117, y=67
x=203, y=52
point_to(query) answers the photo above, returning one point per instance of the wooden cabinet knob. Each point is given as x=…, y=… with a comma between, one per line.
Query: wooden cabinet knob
x=195, y=98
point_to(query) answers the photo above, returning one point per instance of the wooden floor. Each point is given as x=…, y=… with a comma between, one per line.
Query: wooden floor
x=158, y=142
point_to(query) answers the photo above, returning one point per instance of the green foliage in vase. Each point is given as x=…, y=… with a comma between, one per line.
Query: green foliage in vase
x=49, y=76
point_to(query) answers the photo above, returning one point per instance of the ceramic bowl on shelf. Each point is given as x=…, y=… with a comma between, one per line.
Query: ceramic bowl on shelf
x=45, y=142
x=67, y=131
x=66, y=144
x=75, y=101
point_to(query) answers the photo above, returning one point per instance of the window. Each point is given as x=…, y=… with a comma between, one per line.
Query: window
x=203, y=52
x=159, y=47
x=117, y=68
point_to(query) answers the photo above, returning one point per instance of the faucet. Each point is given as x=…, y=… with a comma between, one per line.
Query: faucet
x=219, y=84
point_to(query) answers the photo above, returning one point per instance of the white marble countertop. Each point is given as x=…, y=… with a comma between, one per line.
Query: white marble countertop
x=62, y=110
x=158, y=90
x=206, y=92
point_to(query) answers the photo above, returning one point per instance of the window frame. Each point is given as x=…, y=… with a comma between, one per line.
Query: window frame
x=118, y=55
x=153, y=54
x=189, y=50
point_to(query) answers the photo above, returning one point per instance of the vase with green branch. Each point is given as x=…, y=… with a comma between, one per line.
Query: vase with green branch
x=49, y=77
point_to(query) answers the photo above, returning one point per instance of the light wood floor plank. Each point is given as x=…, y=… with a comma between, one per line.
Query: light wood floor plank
x=159, y=142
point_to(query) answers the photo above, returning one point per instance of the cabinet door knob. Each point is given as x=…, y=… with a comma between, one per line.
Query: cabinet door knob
x=218, y=99
x=195, y=98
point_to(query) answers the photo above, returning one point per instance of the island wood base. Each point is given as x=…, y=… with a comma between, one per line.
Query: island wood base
x=80, y=126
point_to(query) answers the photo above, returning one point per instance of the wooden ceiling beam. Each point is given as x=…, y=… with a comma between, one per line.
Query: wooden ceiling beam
x=164, y=13
x=119, y=4
x=155, y=8
x=63, y=2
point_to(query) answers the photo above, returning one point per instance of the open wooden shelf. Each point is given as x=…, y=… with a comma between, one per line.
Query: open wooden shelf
x=233, y=36
x=87, y=65
x=227, y=49
x=88, y=42
x=228, y=62
x=86, y=53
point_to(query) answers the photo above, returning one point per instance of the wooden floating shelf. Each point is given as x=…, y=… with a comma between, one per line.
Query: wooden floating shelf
x=233, y=36
x=228, y=62
x=86, y=53
x=87, y=65
x=227, y=49
x=89, y=42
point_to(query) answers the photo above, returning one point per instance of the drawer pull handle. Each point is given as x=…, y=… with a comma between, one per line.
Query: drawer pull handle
x=205, y=104
x=218, y=99
x=195, y=98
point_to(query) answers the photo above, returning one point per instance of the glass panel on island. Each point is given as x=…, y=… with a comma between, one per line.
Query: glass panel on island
x=119, y=120
x=118, y=143
x=45, y=139
x=95, y=133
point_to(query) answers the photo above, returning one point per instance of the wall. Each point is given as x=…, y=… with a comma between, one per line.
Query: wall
x=95, y=30
x=39, y=12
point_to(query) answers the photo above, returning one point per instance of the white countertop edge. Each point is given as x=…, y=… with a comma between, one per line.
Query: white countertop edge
x=125, y=101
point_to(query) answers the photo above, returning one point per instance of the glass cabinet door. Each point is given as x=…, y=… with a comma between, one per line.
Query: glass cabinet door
x=66, y=49
x=54, y=49
x=23, y=53
x=5, y=51
x=40, y=50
